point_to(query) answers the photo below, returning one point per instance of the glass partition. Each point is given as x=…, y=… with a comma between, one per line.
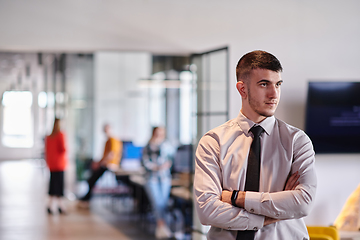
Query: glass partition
x=210, y=104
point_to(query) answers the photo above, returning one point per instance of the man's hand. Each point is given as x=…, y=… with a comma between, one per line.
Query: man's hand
x=269, y=220
x=226, y=196
x=95, y=165
x=292, y=182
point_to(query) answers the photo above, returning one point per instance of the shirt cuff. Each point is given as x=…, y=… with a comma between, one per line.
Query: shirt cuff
x=252, y=202
x=255, y=222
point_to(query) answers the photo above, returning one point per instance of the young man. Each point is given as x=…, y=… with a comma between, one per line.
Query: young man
x=286, y=185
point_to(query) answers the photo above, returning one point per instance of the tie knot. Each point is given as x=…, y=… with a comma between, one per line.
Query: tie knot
x=257, y=130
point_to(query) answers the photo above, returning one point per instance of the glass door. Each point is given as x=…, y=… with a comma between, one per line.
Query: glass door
x=210, y=103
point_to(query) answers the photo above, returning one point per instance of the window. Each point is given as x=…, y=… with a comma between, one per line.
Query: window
x=17, y=119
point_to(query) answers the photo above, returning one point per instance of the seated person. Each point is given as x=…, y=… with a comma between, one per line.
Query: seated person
x=109, y=161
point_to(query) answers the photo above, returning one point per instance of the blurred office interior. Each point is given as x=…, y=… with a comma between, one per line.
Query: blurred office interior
x=144, y=63
x=131, y=91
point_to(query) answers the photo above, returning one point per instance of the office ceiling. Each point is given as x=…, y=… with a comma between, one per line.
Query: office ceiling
x=158, y=26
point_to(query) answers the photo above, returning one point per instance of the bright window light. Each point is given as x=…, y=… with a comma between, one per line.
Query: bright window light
x=17, y=99
x=50, y=99
x=185, y=107
x=17, y=119
x=60, y=97
x=186, y=76
x=42, y=99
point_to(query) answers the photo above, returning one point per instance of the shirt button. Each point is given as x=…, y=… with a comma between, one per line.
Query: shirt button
x=255, y=228
x=252, y=210
x=277, y=214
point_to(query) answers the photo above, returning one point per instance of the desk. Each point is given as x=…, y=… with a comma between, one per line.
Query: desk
x=136, y=179
x=138, y=182
x=124, y=175
x=177, y=190
x=128, y=172
x=182, y=179
x=181, y=192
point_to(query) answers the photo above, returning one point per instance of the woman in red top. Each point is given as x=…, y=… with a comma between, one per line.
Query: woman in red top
x=56, y=159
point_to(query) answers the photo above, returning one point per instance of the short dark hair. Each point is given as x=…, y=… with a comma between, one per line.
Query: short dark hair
x=256, y=59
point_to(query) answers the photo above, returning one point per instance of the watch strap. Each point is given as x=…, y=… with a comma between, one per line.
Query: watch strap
x=234, y=196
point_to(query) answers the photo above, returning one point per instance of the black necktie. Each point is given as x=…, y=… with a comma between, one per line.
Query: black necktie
x=252, y=175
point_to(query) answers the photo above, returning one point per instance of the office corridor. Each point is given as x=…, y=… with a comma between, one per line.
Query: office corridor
x=23, y=216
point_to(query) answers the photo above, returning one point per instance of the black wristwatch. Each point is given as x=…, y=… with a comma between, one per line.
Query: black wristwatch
x=234, y=197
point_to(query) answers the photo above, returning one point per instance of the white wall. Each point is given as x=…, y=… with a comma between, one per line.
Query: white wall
x=338, y=176
x=314, y=40
x=117, y=98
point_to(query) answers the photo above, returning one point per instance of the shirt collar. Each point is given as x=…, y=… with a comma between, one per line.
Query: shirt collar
x=245, y=124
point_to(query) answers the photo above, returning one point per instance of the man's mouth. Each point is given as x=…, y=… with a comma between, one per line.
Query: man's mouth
x=272, y=104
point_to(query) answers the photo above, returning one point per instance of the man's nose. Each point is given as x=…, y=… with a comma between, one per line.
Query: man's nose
x=273, y=92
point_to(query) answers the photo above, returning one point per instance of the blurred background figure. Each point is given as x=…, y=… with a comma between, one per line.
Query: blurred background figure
x=56, y=160
x=110, y=161
x=349, y=217
x=157, y=160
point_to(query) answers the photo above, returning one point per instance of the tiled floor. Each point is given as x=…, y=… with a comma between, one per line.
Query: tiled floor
x=23, y=186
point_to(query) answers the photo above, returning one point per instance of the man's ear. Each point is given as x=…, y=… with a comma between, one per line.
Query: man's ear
x=241, y=87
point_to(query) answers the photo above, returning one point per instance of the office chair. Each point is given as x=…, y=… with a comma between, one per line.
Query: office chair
x=323, y=233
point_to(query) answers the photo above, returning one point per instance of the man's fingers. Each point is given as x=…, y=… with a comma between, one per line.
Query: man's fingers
x=293, y=179
x=292, y=182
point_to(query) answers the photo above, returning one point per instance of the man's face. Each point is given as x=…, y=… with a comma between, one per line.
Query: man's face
x=263, y=93
x=106, y=129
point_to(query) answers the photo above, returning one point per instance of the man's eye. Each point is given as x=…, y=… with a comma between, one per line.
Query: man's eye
x=263, y=84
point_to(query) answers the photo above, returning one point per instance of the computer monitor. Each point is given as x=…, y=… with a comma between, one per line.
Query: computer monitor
x=183, y=159
x=131, y=156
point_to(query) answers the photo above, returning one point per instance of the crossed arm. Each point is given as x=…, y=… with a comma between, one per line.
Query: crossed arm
x=291, y=184
x=213, y=203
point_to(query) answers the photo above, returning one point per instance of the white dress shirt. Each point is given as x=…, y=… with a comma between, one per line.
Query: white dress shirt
x=221, y=163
